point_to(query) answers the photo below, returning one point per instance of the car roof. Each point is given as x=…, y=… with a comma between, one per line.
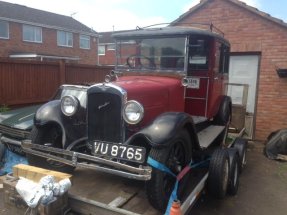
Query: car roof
x=168, y=31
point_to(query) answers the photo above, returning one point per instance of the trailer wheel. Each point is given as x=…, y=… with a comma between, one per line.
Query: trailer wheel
x=219, y=173
x=234, y=171
x=241, y=145
x=176, y=156
x=51, y=135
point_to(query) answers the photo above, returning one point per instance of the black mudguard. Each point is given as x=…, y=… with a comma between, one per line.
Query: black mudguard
x=164, y=128
x=72, y=127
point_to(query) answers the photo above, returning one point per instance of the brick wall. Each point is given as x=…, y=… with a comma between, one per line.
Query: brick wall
x=15, y=44
x=249, y=32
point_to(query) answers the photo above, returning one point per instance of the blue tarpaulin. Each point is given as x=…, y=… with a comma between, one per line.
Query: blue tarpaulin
x=9, y=160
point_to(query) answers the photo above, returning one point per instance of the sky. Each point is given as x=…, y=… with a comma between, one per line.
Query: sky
x=109, y=15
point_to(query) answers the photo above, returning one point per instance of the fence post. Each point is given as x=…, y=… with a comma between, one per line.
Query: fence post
x=62, y=71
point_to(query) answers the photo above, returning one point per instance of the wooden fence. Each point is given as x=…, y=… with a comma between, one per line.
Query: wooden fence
x=31, y=82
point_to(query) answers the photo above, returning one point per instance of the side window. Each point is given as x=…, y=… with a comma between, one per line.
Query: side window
x=224, y=59
x=198, y=54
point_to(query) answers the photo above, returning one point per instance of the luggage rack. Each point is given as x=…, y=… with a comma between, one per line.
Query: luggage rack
x=210, y=26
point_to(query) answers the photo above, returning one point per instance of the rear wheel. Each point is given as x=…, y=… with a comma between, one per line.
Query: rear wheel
x=219, y=173
x=223, y=118
x=50, y=136
x=175, y=157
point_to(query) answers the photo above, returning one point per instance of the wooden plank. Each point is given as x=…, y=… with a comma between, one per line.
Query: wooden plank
x=35, y=173
x=282, y=157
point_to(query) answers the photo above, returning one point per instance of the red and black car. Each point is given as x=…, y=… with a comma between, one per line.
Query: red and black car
x=165, y=100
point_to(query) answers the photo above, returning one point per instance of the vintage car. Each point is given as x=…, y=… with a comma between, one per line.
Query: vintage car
x=16, y=125
x=164, y=103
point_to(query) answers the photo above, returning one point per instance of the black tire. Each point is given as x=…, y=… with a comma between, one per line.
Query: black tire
x=241, y=145
x=234, y=171
x=223, y=118
x=175, y=156
x=53, y=136
x=223, y=115
x=219, y=173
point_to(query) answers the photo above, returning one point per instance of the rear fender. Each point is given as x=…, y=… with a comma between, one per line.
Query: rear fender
x=164, y=128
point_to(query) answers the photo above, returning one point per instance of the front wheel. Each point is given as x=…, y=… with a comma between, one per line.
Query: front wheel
x=175, y=157
x=50, y=136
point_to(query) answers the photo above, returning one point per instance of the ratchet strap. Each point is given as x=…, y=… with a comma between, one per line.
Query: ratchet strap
x=157, y=165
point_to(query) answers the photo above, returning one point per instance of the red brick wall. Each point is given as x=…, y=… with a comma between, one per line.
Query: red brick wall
x=109, y=57
x=249, y=32
x=15, y=44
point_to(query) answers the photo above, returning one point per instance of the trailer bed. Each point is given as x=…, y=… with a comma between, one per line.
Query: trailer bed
x=94, y=192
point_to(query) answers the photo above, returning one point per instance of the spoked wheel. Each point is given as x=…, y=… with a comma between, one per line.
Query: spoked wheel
x=175, y=157
x=219, y=173
x=49, y=136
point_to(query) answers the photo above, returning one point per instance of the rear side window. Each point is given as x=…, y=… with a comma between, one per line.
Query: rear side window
x=198, y=54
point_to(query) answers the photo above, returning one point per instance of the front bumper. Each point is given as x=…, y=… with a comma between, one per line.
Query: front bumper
x=77, y=159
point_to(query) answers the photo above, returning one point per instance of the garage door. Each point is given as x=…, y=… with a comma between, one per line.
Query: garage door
x=244, y=70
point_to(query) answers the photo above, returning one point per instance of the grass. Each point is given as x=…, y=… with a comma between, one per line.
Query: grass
x=3, y=108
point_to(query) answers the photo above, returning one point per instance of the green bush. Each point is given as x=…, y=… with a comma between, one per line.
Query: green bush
x=3, y=108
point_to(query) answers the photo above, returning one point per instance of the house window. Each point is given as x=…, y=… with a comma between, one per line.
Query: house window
x=64, y=39
x=84, y=42
x=32, y=34
x=101, y=50
x=4, y=30
x=111, y=46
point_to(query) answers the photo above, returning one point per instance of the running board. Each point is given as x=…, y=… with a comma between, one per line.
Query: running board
x=207, y=136
x=199, y=119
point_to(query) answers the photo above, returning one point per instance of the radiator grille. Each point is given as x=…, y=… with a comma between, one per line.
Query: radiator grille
x=104, y=117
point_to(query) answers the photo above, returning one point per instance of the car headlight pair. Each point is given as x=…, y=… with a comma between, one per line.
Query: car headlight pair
x=133, y=112
x=69, y=105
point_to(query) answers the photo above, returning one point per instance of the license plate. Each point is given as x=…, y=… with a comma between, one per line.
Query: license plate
x=120, y=151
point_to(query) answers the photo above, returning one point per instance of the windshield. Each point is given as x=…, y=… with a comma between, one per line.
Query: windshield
x=151, y=54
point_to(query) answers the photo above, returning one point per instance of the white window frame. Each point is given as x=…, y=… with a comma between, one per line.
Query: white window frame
x=104, y=53
x=111, y=47
x=85, y=38
x=66, y=39
x=7, y=25
x=34, y=32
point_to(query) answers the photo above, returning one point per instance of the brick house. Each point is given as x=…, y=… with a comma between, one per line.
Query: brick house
x=259, y=51
x=106, y=48
x=30, y=33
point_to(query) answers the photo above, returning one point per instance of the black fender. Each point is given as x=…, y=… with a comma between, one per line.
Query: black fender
x=73, y=127
x=164, y=128
x=50, y=113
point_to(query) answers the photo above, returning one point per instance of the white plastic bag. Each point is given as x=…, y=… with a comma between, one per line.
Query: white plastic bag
x=43, y=192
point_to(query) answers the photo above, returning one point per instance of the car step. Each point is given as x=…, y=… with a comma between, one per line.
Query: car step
x=207, y=136
x=198, y=119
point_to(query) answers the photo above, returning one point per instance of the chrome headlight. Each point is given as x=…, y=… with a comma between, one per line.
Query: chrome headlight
x=133, y=112
x=69, y=105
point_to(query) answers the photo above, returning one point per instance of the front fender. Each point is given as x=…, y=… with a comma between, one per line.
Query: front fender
x=162, y=130
x=50, y=113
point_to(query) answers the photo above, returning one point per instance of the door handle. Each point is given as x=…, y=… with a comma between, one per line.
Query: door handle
x=216, y=78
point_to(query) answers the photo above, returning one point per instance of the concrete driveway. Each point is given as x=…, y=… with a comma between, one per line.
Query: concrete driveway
x=262, y=189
